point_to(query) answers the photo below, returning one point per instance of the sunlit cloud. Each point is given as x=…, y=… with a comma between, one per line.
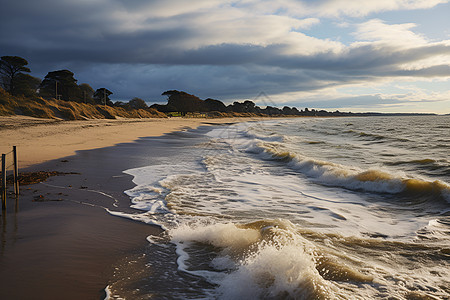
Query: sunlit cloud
x=396, y=34
x=336, y=8
x=364, y=8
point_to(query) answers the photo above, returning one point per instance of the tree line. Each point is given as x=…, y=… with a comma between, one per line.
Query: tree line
x=59, y=84
x=182, y=102
x=62, y=85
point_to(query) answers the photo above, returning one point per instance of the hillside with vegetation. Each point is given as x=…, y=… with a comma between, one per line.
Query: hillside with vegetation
x=67, y=110
x=59, y=96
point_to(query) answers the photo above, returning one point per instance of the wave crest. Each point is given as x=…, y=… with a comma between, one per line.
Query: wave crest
x=266, y=259
x=372, y=180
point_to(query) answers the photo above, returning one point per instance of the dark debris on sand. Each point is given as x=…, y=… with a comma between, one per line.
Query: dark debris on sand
x=27, y=178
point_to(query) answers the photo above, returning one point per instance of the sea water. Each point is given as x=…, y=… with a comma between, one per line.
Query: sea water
x=302, y=208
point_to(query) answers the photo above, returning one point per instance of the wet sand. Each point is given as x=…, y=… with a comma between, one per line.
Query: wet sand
x=58, y=241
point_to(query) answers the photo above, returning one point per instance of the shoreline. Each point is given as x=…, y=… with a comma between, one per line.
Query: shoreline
x=41, y=140
x=59, y=239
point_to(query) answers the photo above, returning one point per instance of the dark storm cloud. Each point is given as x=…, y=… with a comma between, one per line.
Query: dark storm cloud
x=145, y=47
x=367, y=59
x=228, y=83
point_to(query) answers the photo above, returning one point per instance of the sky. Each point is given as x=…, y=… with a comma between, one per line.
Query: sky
x=346, y=55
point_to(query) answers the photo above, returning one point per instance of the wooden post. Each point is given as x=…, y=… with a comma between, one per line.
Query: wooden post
x=16, y=172
x=3, y=182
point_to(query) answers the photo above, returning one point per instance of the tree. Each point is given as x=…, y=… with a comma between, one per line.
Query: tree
x=237, y=107
x=137, y=103
x=11, y=68
x=61, y=84
x=120, y=104
x=87, y=92
x=249, y=106
x=269, y=110
x=214, y=105
x=27, y=85
x=165, y=108
x=101, y=96
x=290, y=111
x=184, y=102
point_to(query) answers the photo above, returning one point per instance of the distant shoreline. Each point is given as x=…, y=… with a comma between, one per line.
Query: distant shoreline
x=180, y=104
x=39, y=140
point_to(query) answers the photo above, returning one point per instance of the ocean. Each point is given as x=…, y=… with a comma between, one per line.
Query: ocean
x=301, y=208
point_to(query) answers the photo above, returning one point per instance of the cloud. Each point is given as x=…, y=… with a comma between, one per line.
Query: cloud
x=337, y=8
x=416, y=100
x=397, y=34
x=364, y=8
x=203, y=32
x=219, y=48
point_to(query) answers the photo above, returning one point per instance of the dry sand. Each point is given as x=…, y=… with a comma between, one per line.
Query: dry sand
x=40, y=140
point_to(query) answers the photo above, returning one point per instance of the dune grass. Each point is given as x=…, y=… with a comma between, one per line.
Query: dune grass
x=59, y=109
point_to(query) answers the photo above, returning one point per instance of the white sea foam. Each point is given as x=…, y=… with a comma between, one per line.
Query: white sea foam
x=249, y=265
x=262, y=213
x=107, y=292
x=372, y=180
x=272, y=272
x=219, y=235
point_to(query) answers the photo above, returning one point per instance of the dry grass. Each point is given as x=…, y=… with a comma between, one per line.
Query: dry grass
x=67, y=110
x=60, y=109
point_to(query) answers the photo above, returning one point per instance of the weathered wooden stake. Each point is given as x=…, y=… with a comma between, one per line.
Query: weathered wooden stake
x=16, y=172
x=3, y=182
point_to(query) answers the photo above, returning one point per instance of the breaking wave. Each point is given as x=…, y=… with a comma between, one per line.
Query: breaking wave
x=266, y=259
x=300, y=209
x=332, y=174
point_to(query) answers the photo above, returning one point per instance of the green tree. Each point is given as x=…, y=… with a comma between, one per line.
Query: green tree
x=87, y=92
x=137, y=103
x=184, y=102
x=61, y=85
x=27, y=85
x=11, y=68
x=101, y=96
x=214, y=105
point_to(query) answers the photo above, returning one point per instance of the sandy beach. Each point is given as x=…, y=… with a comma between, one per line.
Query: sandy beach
x=58, y=239
x=40, y=140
